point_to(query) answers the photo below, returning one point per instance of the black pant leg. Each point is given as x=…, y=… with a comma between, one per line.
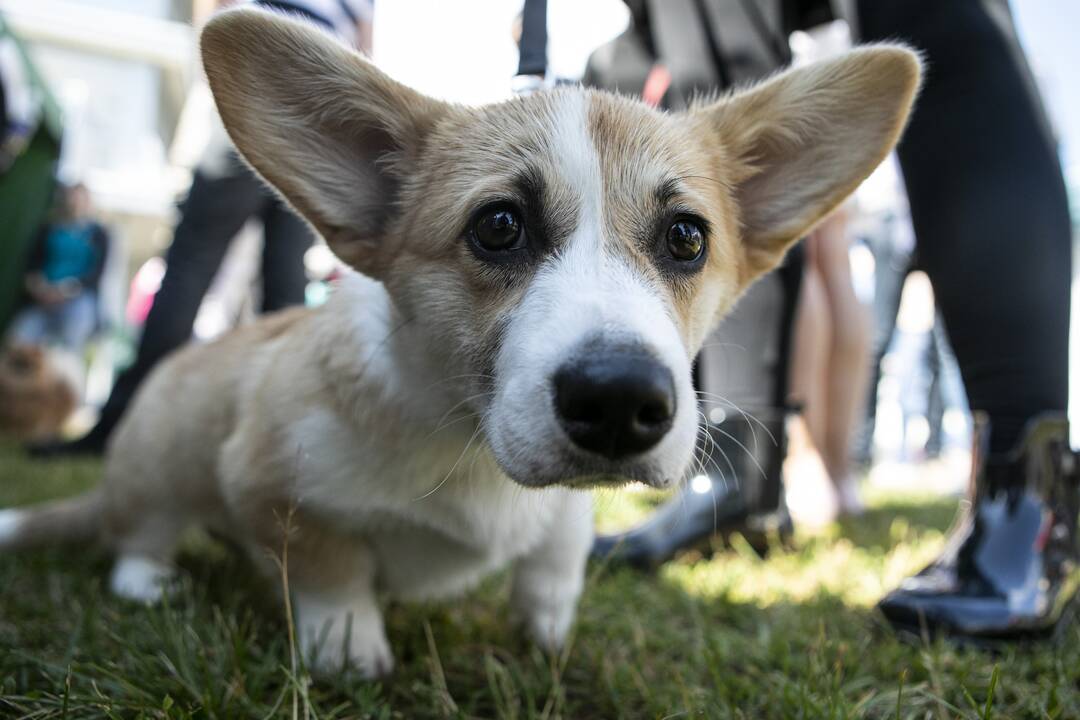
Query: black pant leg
x=285, y=240
x=988, y=204
x=215, y=210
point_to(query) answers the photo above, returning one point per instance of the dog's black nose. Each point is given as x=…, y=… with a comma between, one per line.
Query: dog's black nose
x=615, y=403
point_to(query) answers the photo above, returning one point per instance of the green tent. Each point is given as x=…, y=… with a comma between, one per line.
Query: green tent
x=26, y=190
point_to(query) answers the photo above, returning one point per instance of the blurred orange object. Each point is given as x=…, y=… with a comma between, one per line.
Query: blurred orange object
x=35, y=398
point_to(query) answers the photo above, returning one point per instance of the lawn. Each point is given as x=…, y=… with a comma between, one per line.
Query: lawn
x=729, y=635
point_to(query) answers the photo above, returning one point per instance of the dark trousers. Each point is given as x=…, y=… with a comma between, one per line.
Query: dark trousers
x=215, y=210
x=988, y=204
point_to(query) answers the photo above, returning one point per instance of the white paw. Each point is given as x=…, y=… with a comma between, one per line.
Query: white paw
x=549, y=626
x=140, y=579
x=333, y=640
x=10, y=520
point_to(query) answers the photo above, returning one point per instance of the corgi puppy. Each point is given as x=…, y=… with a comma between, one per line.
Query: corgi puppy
x=533, y=280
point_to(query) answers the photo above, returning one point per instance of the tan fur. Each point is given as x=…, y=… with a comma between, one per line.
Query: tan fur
x=641, y=149
x=163, y=446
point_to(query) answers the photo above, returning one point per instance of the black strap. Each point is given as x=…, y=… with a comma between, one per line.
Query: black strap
x=3, y=110
x=790, y=274
x=532, y=59
x=775, y=42
x=349, y=12
x=284, y=6
x=713, y=43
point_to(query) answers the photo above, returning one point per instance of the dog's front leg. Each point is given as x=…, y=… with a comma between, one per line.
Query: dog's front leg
x=332, y=583
x=548, y=581
x=341, y=627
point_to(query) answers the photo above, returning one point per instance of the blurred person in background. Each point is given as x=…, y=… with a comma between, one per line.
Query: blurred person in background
x=830, y=376
x=830, y=368
x=992, y=227
x=224, y=195
x=928, y=383
x=62, y=277
x=888, y=235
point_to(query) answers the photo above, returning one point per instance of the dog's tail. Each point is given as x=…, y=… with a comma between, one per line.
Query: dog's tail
x=70, y=520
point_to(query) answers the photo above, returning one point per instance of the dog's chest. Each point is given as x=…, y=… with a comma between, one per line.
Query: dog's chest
x=438, y=515
x=425, y=556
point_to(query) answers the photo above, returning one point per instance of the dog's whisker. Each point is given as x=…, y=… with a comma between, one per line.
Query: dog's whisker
x=723, y=345
x=439, y=425
x=745, y=449
x=734, y=474
x=451, y=423
x=379, y=346
x=708, y=446
x=716, y=446
x=707, y=456
x=748, y=417
x=452, y=467
x=720, y=471
x=480, y=451
x=463, y=376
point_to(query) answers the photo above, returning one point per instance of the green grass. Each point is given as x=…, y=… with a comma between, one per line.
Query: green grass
x=793, y=636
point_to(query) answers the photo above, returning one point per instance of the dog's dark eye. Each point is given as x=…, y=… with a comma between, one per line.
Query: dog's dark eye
x=498, y=229
x=685, y=240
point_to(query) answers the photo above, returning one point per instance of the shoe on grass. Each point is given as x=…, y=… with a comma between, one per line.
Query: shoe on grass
x=1010, y=567
x=90, y=445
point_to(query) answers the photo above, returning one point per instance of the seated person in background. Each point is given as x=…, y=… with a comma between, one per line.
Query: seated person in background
x=62, y=276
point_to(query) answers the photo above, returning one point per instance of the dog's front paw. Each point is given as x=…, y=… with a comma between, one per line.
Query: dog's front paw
x=140, y=579
x=546, y=606
x=366, y=653
x=333, y=640
x=549, y=626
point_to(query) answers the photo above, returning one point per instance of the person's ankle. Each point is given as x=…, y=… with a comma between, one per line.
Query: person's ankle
x=811, y=497
x=848, y=496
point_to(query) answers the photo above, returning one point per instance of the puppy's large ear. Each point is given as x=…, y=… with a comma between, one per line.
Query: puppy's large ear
x=331, y=132
x=803, y=141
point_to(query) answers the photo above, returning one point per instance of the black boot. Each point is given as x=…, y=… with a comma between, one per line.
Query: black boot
x=1010, y=567
x=90, y=445
x=739, y=490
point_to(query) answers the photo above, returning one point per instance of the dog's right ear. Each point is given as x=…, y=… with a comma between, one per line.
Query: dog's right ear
x=801, y=142
x=330, y=131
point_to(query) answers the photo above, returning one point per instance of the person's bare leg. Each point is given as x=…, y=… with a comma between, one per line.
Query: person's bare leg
x=811, y=499
x=810, y=351
x=848, y=367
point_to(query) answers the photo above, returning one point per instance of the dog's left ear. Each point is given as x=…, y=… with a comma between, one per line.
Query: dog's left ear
x=332, y=133
x=798, y=144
